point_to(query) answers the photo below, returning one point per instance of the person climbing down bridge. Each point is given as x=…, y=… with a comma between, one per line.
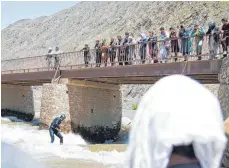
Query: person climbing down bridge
x=54, y=128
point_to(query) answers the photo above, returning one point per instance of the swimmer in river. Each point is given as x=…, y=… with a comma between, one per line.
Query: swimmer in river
x=54, y=128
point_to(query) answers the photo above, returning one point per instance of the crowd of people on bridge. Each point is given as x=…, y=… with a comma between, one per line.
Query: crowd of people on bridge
x=158, y=47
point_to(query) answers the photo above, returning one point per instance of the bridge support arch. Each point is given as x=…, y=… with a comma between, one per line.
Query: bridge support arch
x=93, y=109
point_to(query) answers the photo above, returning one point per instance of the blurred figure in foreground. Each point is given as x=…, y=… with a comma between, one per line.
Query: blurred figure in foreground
x=177, y=135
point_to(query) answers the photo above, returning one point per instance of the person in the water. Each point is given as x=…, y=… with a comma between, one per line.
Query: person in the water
x=54, y=128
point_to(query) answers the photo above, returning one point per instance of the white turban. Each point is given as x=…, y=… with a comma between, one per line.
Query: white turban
x=176, y=111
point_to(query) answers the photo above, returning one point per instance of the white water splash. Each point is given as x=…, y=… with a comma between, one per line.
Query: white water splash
x=37, y=143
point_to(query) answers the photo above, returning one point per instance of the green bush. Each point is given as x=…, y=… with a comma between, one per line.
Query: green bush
x=134, y=106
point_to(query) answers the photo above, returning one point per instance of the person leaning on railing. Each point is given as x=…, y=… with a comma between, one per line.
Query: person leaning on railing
x=104, y=51
x=153, y=47
x=198, y=33
x=112, y=51
x=165, y=44
x=86, y=52
x=185, y=40
x=126, y=48
x=132, y=54
x=98, y=53
x=57, y=58
x=213, y=40
x=49, y=59
x=143, y=44
x=174, y=42
x=225, y=39
x=120, y=50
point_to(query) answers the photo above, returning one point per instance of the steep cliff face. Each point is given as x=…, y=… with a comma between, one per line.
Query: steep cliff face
x=87, y=21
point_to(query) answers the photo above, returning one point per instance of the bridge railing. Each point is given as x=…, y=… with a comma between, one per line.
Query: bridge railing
x=133, y=54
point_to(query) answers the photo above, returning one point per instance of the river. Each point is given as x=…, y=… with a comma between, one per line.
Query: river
x=75, y=152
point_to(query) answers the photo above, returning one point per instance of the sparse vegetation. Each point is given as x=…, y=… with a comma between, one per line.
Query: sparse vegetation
x=134, y=106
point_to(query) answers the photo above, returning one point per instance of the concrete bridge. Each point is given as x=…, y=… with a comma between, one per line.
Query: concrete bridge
x=91, y=97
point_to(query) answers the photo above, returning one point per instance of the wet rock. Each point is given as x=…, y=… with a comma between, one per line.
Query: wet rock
x=20, y=115
x=98, y=134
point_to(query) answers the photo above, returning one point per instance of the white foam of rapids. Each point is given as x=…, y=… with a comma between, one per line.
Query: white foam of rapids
x=37, y=143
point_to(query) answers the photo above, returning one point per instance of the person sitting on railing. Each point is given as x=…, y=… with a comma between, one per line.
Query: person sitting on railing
x=86, y=52
x=225, y=40
x=132, y=54
x=112, y=51
x=165, y=46
x=49, y=59
x=214, y=39
x=186, y=42
x=153, y=47
x=143, y=44
x=198, y=32
x=98, y=53
x=56, y=57
x=174, y=42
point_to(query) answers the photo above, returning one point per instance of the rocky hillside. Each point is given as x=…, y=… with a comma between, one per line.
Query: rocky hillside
x=87, y=21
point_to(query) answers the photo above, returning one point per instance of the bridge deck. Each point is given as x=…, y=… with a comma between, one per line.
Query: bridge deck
x=206, y=71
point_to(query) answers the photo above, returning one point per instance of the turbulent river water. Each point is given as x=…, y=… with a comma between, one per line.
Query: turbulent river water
x=74, y=153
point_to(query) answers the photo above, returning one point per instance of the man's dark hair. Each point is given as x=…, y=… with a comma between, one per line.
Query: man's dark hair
x=162, y=28
x=186, y=151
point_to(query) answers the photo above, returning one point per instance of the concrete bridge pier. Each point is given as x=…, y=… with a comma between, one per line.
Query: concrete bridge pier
x=223, y=93
x=17, y=101
x=93, y=109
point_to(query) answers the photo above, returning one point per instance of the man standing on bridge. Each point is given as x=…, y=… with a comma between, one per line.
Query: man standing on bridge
x=49, y=59
x=225, y=38
x=54, y=128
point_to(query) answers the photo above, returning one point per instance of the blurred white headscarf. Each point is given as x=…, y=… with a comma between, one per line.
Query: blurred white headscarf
x=176, y=111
